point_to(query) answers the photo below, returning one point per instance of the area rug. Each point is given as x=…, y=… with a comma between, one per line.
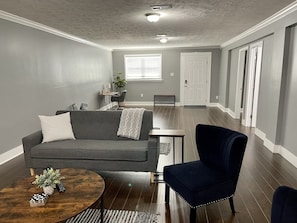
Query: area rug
x=164, y=148
x=114, y=216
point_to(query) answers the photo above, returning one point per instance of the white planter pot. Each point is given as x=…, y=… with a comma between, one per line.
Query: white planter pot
x=49, y=190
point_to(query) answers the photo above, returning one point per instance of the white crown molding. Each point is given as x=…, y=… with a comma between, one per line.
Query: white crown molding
x=9, y=155
x=275, y=17
x=26, y=22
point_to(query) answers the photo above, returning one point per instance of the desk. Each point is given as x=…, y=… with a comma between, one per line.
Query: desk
x=109, y=95
x=170, y=133
x=84, y=189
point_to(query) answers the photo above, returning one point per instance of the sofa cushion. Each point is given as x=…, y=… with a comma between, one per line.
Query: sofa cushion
x=81, y=149
x=103, y=125
x=57, y=127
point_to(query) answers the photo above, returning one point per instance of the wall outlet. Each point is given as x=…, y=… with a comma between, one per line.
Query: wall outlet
x=141, y=95
x=217, y=97
x=171, y=74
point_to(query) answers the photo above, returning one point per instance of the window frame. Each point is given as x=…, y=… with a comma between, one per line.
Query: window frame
x=143, y=79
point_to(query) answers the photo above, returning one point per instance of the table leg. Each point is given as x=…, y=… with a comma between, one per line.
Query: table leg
x=183, y=149
x=173, y=147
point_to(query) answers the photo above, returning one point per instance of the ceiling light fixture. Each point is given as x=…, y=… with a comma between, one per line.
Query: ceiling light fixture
x=152, y=17
x=163, y=40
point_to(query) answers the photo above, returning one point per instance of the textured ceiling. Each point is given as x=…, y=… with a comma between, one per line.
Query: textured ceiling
x=119, y=24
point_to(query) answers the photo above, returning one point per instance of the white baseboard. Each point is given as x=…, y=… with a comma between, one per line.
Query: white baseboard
x=223, y=109
x=147, y=103
x=9, y=155
x=260, y=134
x=231, y=113
x=213, y=105
x=285, y=153
x=288, y=155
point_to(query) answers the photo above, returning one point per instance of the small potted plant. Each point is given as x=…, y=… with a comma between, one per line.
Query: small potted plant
x=119, y=82
x=48, y=180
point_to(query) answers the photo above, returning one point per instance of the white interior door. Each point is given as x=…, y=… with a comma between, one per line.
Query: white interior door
x=241, y=73
x=253, y=83
x=195, y=78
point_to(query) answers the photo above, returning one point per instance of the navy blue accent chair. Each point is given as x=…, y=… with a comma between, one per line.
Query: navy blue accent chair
x=212, y=178
x=284, y=205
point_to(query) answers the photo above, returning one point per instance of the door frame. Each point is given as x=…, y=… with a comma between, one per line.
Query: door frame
x=182, y=75
x=243, y=56
x=253, y=85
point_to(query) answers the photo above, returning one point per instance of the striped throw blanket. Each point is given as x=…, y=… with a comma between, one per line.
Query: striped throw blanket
x=130, y=123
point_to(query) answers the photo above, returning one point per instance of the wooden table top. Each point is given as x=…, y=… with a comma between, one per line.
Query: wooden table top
x=83, y=189
x=110, y=93
x=167, y=132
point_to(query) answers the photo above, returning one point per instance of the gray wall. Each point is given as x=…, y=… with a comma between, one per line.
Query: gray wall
x=170, y=64
x=289, y=119
x=41, y=73
x=233, y=79
x=270, y=112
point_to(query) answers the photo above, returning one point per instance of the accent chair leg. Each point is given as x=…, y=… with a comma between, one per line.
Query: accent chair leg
x=193, y=215
x=166, y=193
x=232, y=204
x=102, y=209
x=152, y=177
x=32, y=172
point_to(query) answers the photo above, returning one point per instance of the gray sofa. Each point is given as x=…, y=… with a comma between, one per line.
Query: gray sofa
x=97, y=146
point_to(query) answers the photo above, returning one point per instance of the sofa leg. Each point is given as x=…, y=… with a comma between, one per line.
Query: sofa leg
x=32, y=172
x=152, y=177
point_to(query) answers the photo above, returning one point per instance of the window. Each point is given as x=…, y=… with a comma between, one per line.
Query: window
x=143, y=67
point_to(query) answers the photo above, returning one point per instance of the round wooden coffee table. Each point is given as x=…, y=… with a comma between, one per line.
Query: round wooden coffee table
x=84, y=189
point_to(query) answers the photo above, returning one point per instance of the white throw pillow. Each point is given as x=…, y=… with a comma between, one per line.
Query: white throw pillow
x=57, y=127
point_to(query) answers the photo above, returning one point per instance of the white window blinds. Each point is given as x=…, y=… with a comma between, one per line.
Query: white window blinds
x=143, y=67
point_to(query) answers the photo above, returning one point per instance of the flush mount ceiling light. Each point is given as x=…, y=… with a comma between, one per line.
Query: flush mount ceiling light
x=152, y=17
x=162, y=37
x=163, y=40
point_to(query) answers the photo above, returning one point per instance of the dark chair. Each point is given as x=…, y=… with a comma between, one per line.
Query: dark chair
x=119, y=98
x=284, y=205
x=212, y=178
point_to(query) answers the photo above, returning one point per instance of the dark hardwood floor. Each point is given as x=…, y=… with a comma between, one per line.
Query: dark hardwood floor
x=262, y=172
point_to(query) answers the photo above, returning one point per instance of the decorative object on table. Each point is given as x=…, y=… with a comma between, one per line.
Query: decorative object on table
x=111, y=216
x=165, y=148
x=73, y=107
x=83, y=107
x=48, y=180
x=60, y=187
x=38, y=200
x=119, y=82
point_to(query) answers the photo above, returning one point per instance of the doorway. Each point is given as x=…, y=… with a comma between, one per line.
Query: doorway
x=195, y=78
x=252, y=85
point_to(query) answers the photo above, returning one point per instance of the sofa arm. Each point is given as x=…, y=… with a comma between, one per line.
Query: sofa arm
x=29, y=142
x=153, y=152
